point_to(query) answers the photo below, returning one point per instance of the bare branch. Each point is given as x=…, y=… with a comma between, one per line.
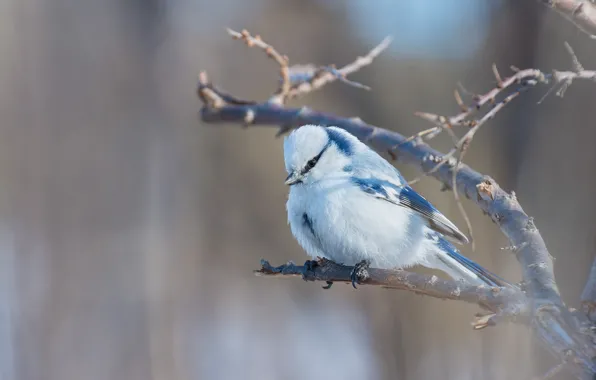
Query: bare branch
x=497, y=300
x=325, y=75
x=563, y=79
x=300, y=80
x=523, y=78
x=568, y=335
x=582, y=13
x=281, y=60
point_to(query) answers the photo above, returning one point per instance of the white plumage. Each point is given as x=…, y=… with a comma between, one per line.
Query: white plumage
x=348, y=204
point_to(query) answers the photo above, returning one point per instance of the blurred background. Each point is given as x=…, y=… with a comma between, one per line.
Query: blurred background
x=129, y=229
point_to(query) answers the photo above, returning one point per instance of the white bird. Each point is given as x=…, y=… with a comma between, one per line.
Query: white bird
x=349, y=205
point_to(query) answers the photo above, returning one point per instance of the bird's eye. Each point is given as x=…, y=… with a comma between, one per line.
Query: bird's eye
x=311, y=163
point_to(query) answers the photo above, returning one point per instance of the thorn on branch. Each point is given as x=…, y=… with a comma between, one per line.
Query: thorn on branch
x=460, y=102
x=207, y=94
x=497, y=76
x=576, y=65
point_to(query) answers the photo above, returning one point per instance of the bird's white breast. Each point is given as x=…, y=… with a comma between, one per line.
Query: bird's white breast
x=350, y=225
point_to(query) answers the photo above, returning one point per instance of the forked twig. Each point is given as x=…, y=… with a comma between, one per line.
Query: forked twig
x=300, y=80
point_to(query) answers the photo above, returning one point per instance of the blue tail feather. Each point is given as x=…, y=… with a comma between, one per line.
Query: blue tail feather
x=489, y=278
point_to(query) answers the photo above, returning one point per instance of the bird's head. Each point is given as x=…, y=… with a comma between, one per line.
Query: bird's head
x=313, y=152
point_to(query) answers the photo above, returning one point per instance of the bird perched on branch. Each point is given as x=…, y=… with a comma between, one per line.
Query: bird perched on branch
x=349, y=205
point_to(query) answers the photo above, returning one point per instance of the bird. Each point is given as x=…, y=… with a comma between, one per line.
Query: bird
x=348, y=204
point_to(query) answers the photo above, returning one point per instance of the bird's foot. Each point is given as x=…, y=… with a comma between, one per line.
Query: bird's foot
x=360, y=272
x=309, y=266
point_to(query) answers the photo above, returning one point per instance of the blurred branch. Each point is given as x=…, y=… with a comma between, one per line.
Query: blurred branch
x=588, y=297
x=504, y=303
x=568, y=335
x=580, y=12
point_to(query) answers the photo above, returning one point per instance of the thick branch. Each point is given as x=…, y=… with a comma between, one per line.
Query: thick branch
x=580, y=12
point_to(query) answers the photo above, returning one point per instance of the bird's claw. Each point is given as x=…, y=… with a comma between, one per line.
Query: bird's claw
x=328, y=286
x=309, y=266
x=360, y=272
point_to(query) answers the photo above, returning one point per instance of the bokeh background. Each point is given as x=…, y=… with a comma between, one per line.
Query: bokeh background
x=129, y=229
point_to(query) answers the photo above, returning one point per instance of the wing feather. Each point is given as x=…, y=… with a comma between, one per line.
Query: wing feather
x=405, y=196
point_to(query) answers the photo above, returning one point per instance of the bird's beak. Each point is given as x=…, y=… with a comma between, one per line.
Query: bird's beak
x=293, y=178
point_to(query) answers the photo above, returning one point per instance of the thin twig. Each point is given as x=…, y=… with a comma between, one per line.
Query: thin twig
x=462, y=145
x=562, y=80
x=523, y=78
x=327, y=74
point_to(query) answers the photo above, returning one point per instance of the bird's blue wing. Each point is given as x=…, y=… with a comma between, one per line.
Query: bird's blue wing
x=489, y=278
x=405, y=196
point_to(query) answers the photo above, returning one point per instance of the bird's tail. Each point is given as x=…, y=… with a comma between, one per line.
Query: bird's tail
x=449, y=260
